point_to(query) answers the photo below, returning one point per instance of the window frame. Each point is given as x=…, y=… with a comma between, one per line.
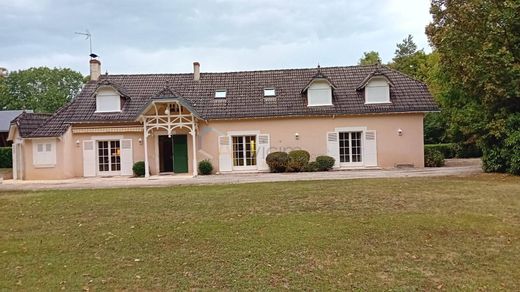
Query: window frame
x=244, y=150
x=104, y=93
x=316, y=87
x=269, y=89
x=110, y=163
x=224, y=96
x=387, y=87
x=44, y=153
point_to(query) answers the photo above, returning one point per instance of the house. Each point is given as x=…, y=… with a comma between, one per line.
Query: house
x=363, y=116
x=5, y=120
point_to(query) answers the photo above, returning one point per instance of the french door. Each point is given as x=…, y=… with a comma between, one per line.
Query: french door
x=350, y=148
x=244, y=152
x=109, y=157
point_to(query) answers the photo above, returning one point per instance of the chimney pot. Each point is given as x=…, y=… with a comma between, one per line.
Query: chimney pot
x=95, y=69
x=196, y=71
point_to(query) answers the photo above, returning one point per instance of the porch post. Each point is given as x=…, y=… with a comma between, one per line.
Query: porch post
x=194, y=149
x=146, y=164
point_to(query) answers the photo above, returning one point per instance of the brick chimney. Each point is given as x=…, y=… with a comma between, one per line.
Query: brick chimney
x=196, y=71
x=95, y=69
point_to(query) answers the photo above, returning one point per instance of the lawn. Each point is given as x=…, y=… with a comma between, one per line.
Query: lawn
x=399, y=234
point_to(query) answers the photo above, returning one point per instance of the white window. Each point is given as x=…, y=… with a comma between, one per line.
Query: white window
x=319, y=93
x=244, y=151
x=108, y=100
x=350, y=147
x=109, y=156
x=44, y=153
x=269, y=92
x=220, y=93
x=377, y=91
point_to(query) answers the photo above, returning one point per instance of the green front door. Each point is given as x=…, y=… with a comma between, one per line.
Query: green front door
x=180, y=153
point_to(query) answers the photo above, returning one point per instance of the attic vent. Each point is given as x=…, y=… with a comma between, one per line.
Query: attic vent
x=269, y=92
x=220, y=93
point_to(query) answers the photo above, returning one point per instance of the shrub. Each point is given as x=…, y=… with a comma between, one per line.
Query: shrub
x=325, y=162
x=205, y=167
x=138, y=168
x=449, y=150
x=277, y=161
x=6, y=157
x=433, y=158
x=312, y=166
x=298, y=159
x=469, y=150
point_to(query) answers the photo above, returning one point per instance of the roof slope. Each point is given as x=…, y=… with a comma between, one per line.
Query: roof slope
x=7, y=116
x=27, y=122
x=245, y=95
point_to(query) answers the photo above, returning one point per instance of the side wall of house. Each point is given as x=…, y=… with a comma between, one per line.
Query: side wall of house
x=392, y=149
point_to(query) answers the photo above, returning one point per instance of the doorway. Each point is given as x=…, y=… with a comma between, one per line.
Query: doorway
x=173, y=153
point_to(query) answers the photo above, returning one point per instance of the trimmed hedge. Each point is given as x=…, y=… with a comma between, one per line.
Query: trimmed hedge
x=311, y=167
x=138, y=168
x=433, y=158
x=205, y=167
x=325, y=162
x=277, y=161
x=298, y=159
x=448, y=150
x=452, y=150
x=6, y=157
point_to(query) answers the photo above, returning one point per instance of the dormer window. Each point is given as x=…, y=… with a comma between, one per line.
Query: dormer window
x=220, y=93
x=319, y=93
x=107, y=100
x=377, y=90
x=269, y=92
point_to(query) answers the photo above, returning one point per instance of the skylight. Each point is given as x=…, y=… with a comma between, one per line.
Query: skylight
x=220, y=93
x=269, y=92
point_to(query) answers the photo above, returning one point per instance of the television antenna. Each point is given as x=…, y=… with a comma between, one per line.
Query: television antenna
x=88, y=36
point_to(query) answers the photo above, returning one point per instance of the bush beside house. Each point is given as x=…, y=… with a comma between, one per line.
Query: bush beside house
x=433, y=158
x=205, y=167
x=138, y=168
x=297, y=161
x=6, y=157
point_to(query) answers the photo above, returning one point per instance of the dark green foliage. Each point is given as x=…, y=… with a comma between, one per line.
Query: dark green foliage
x=501, y=149
x=370, y=58
x=448, y=150
x=311, y=167
x=277, y=161
x=205, y=167
x=40, y=89
x=433, y=158
x=298, y=159
x=138, y=168
x=479, y=62
x=325, y=162
x=6, y=157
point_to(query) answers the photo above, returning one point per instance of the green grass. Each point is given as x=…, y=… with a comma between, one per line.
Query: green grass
x=378, y=234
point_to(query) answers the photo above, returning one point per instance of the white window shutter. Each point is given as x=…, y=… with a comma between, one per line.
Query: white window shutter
x=89, y=158
x=263, y=148
x=127, y=159
x=333, y=146
x=370, y=148
x=225, y=159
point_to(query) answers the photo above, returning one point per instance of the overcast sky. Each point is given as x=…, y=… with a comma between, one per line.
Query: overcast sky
x=134, y=36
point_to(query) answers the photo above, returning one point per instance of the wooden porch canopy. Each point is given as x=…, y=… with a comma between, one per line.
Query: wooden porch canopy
x=168, y=112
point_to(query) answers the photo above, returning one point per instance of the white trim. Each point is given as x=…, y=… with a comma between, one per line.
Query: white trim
x=243, y=133
x=107, y=137
x=380, y=102
x=350, y=129
x=102, y=112
x=324, y=104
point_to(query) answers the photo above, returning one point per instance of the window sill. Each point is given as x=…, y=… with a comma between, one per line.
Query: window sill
x=316, y=105
x=383, y=102
x=44, y=165
x=106, y=112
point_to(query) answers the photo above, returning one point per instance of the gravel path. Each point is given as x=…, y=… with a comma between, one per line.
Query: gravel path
x=454, y=167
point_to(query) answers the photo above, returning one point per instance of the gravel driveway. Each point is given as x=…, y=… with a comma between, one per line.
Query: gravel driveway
x=454, y=167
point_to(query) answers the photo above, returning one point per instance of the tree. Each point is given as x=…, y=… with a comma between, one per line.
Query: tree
x=409, y=60
x=40, y=89
x=479, y=48
x=370, y=58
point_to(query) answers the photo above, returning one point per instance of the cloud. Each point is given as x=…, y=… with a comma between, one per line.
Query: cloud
x=166, y=36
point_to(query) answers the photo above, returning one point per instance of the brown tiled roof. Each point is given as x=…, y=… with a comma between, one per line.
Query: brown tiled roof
x=29, y=122
x=245, y=95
